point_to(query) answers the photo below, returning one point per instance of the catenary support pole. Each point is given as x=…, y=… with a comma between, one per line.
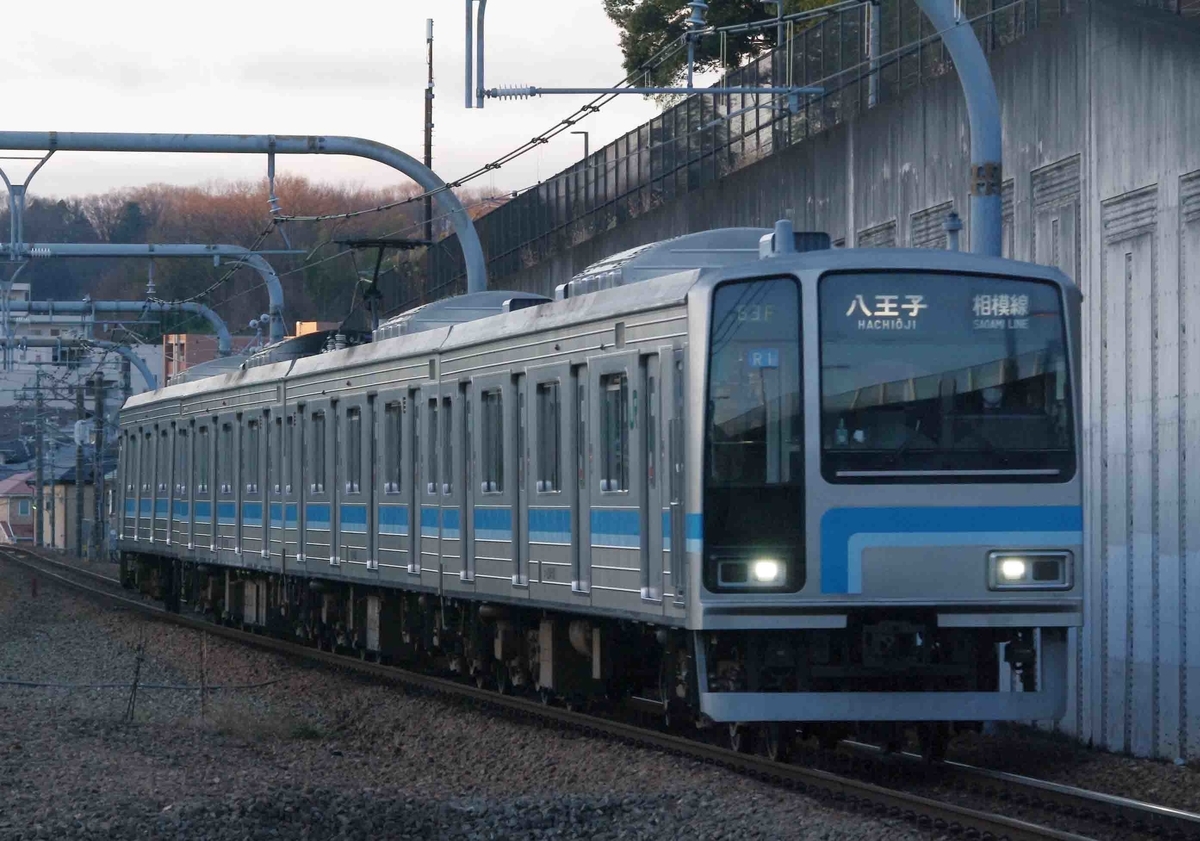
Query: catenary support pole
x=468, y=86
x=263, y=144
x=479, y=54
x=429, y=126
x=983, y=113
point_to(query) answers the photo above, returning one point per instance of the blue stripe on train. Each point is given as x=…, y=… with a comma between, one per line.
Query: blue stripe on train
x=203, y=512
x=354, y=518
x=291, y=515
x=276, y=511
x=550, y=525
x=616, y=527
x=430, y=521
x=252, y=514
x=181, y=510
x=451, y=527
x=393, y=519
x=841, y=564
x=496, y=523
x=226, y=514
x=316, y=515
x=144, y=507
x=130, y=507
x=160, y=508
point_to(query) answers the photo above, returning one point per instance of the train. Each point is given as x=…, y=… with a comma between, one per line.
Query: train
x=740, y=479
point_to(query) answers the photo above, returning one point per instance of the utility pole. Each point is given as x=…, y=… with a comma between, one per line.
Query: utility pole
x=98, y=470
x=429, y=126
x=126, y=380
x=81, y=416
x=39, y=426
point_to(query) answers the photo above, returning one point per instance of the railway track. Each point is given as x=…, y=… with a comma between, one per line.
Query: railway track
x=1122, y=814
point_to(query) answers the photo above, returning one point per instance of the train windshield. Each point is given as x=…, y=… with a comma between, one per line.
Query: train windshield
x=937, y=377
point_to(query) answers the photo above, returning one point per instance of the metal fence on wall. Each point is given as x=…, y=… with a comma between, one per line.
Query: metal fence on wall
x=696, y=142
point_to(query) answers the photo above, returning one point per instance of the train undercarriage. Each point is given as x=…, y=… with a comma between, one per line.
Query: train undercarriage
x=598, y=662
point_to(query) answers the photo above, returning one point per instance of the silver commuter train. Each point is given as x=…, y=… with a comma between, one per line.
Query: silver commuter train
x=735, y=475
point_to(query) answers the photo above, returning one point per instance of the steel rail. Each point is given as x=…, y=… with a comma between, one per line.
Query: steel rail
x=1124, y=812
x=865, y=797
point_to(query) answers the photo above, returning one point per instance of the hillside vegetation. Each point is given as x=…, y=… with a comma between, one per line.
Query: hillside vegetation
x=318, y=283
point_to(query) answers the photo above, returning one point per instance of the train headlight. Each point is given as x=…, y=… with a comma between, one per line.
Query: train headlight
x=1030, y=571
x=1013, y=569
x=767, y=571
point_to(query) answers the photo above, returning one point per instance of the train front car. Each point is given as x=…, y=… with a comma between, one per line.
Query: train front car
x=890, y=520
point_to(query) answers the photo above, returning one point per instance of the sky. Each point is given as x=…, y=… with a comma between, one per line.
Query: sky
x=353, y=67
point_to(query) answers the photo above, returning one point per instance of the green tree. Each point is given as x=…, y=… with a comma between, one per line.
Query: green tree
x=648, y=25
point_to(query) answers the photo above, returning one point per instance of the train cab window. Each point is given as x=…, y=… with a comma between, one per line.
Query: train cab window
x=549, y=444
x=317, y=450
x=163, y=465
x=393, y=453
x=938, y=377
x=447, y=447
x=289, y=452
x=431, y=450
x=182, y=462
x=353, y=450
x=250, y=456
x=225, y=459
x=202, y=457
x=614, y=433
x=492, y=433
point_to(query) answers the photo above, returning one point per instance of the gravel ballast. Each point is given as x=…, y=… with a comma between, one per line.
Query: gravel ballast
x=320, y=754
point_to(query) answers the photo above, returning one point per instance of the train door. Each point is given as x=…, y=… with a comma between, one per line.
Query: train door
x=676, y=481
x=316, y=526
x=292, y=480
x=202, y=498
x=581, y=526
x=552, y=512
x=352, y=472
x=415, y=475
x=652, y=511
x=393, y=494
x=371, y=480
x=493, y=483
x=276, y=538
x=252, y=540
x=162, y=474
x=145, y=483
x=520, y=530
x=466, y=479
x=336, y=492
x=451, y=500
x=430, y=553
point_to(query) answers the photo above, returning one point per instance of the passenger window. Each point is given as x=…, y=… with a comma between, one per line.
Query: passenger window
x=614, y=433
x=353, y=451
x=431, y=450
x=250, y=456
x=225, y=459
x=549, y=438
x=492, y=431
x=447, y=447
x=317, y=448
x=182, y=459
x=392, y=438
x=202, y=457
